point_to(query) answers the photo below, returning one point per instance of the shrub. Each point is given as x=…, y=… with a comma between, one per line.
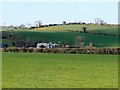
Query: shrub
x=30, y=50
x=23, y=50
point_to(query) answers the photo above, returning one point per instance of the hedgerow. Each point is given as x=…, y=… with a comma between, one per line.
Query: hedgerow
x=65, y=50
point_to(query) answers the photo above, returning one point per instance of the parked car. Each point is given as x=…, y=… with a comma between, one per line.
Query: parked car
x=4, y=45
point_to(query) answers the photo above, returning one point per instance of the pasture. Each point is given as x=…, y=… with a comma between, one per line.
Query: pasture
x=32, y=70
x=61, y=34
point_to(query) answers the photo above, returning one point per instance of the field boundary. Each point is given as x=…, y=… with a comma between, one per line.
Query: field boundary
x=60, y=89
x=106, y=51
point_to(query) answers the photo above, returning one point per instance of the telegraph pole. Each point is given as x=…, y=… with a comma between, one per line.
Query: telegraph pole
x=4, y=27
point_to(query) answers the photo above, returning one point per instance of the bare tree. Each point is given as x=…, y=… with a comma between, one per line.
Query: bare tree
x=102, y=22
x=79, y=41
x=99, y=21
x=90, y=45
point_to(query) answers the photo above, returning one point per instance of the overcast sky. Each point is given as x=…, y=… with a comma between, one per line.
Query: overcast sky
x=16, y=13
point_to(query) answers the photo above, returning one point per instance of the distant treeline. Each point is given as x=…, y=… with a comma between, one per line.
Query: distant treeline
x=33, y=27
x=70, y=23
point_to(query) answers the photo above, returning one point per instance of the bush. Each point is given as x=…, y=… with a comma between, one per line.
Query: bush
x=23, y=50
x=30, y=50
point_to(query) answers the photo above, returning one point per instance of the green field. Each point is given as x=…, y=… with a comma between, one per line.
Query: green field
x=107, y=29
x=64, y=36
x=33, y=70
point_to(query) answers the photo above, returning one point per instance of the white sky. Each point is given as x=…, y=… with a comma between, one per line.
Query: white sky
x=57, y=11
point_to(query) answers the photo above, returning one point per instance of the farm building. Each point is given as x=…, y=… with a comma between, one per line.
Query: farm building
x=46, y=45
x=22, y=26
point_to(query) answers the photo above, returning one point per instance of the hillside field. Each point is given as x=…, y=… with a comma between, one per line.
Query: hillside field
x=63, y=35
x=32, y=70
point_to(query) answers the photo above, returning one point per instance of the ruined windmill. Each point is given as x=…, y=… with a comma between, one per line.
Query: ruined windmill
x=38, y=23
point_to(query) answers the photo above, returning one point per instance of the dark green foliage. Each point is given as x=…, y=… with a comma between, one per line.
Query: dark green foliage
x=66, y=50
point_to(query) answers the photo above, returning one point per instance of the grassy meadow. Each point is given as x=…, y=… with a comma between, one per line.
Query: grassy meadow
x=33, y=70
